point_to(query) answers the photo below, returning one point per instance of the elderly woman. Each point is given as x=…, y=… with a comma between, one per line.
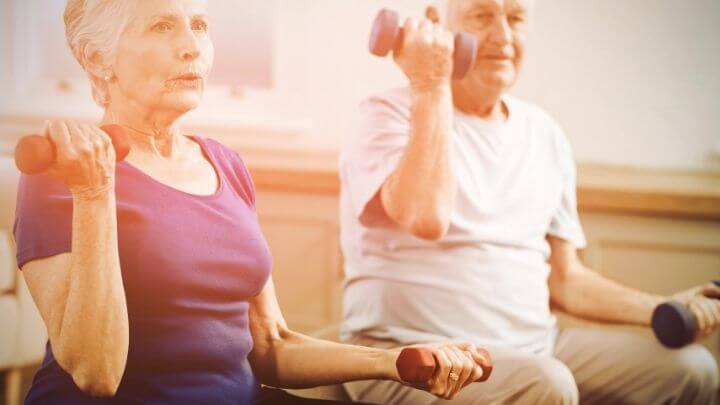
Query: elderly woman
x=152, y=275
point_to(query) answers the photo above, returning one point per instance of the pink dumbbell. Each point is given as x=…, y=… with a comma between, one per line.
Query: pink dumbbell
x=417, y=365
x=36, y=153
x=386, y=32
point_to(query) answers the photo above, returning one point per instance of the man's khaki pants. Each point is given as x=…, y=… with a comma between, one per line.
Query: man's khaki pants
x=588, y=366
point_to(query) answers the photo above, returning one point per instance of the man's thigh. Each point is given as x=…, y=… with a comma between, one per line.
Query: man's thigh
x=516, y=379
x=624, y=367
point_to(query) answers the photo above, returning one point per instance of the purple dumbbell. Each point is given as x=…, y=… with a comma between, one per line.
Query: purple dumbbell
x=386, y=31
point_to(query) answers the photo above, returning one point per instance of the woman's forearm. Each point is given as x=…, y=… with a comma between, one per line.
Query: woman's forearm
x=92, y=337
x=294, y=360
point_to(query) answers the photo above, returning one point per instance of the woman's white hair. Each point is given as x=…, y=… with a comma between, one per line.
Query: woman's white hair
x=93, y=29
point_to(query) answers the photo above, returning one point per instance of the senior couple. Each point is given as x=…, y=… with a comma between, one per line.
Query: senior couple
x=459, y=228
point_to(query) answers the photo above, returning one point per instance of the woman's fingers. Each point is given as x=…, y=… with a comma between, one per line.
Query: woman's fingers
x=104, y=143
x=463, y=369
x=453, y=377
x=84, y=157
x=457, y=365
x=477, y=374
x=60, y=136
x=438, y=383
x=477, y=355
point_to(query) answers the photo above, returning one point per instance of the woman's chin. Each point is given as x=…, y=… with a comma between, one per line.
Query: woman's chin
x=183, y=102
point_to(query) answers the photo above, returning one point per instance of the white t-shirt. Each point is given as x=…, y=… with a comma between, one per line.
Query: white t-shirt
x=485, y=281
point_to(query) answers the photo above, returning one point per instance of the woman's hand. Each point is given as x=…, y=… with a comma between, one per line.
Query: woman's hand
x=457, y=365
x=85, y=158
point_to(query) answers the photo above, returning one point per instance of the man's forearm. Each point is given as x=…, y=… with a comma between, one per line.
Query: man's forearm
x=587, y=294
x=422, y=187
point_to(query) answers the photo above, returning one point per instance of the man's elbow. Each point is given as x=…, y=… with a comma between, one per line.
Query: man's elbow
x=430, y=228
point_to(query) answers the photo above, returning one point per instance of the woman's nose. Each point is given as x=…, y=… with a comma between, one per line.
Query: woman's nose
x=190, y=54
x=189, y=48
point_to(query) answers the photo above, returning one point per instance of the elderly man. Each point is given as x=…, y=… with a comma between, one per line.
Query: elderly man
x=459, y=220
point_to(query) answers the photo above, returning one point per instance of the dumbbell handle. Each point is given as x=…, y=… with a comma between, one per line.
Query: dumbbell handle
x=417, y=365
x=36, y=153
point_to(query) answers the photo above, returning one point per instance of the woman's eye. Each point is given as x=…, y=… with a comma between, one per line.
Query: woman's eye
x=162, y=27
x=516, y=19
x=200, y=26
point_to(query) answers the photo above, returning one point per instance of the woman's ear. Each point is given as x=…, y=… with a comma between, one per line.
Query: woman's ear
x=431, y=13
x=96, y=66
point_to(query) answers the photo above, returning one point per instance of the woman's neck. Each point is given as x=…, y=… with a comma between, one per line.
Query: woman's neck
x=149, y=133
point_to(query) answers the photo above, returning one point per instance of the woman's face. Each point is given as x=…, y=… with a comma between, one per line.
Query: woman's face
x=164, y=55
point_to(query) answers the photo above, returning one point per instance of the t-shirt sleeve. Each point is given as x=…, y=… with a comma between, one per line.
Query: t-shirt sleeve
x=244, y=179
x=43, y=218
x=565, y=223
x=235, y=171
x=382, y=131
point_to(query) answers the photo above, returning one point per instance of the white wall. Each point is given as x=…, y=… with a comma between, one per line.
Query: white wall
x=632, y=82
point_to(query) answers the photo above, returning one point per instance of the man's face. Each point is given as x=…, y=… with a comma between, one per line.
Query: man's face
x=501, y=27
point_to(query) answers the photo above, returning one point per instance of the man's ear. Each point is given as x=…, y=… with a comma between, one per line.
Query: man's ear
x=431, y=13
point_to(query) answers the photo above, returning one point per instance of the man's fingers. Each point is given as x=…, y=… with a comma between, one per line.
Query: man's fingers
x=711, y=290
x=711, y=311
x=704, y=315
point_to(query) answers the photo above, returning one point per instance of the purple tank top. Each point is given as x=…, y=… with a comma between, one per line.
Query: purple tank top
x=189, y=265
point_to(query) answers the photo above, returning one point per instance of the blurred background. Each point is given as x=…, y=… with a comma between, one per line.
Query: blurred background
x=634, y=84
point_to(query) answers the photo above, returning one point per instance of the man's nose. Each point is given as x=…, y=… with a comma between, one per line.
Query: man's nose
x=501, y=32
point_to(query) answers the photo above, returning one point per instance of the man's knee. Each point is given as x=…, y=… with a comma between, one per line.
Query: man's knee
x=554, y=383
x=694, y=368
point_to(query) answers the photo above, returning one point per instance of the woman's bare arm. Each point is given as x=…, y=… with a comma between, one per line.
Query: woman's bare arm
x=287, y=359
x=81, y=298
x=80, y=294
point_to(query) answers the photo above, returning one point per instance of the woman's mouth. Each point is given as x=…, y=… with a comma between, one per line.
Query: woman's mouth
x=188, y=80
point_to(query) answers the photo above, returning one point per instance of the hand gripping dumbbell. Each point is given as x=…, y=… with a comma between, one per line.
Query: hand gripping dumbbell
x=36, y=153
x=386, y=32
x=417, y=365
x=674, y=324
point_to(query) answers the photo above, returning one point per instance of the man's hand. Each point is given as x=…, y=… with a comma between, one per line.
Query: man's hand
x=426, y=53
x=704, y=303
